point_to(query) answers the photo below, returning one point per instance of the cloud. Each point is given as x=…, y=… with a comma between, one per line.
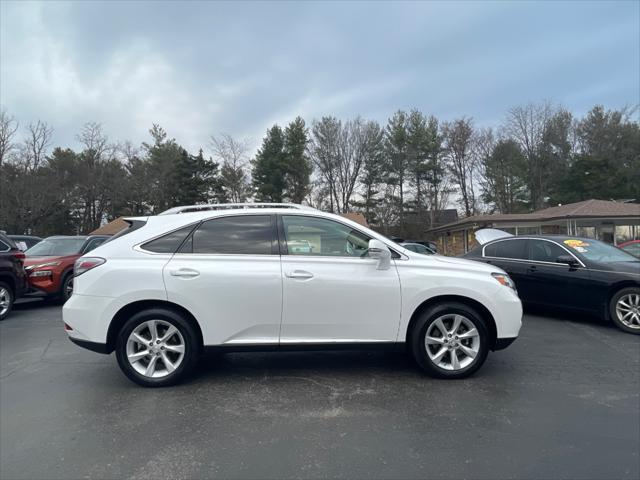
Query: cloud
x=198, y=68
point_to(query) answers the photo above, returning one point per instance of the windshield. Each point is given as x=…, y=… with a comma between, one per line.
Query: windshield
x=56, y=247
x=597, y=251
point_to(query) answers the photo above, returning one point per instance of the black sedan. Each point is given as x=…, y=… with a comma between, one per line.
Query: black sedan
x=568, y=272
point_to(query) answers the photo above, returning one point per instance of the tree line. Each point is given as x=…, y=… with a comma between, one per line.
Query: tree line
x=399, y=175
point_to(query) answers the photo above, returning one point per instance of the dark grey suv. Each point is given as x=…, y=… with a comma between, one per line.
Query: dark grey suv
x=13, y=280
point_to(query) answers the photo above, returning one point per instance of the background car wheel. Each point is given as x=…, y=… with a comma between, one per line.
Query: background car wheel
x=67, y=288
x=450, y=340
x=6, y=300
x=624, y=310
x=157, y=348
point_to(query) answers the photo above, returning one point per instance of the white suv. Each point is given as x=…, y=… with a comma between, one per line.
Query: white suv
x=276, y=276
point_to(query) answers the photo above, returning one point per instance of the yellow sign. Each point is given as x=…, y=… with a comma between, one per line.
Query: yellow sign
x=573, y=243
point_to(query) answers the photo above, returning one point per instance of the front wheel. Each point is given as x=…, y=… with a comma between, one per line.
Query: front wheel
x=450, y=340
x=156, y=348
x=67, y=288
x=624, y=310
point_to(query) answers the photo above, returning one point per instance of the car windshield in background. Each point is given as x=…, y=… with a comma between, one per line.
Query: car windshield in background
x=56, y=247
x=597, y=251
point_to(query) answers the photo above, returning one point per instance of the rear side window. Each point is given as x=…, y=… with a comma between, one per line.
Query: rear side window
x=541, y=251
x=170, y=242
x=4, y=247
x=241, y=235
x=506, y=249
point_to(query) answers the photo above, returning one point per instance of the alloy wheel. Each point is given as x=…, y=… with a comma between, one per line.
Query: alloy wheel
x=452, y=342
x=628, y=310
x=155, y=348
x=5, y=301
x=68, y=288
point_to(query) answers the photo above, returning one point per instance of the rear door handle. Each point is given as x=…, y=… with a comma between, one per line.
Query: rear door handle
x=184, y=272
x=532, y=268
x=301, y=274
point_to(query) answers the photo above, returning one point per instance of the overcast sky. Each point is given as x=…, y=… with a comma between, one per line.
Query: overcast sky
x=198, y=68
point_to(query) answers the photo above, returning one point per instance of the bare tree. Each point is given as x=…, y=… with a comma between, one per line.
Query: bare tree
x=339, y=151
x=36, y=145
x=458, y=140
x=232, y=154
x=8, y=128
x=527, y=125
x=94, y=141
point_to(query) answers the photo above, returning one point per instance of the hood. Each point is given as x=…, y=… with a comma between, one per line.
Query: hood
x=623, y=267
x=464, y=264
x=485, y=235
x=29, y=261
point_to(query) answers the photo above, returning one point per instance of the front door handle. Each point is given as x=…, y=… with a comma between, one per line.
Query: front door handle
x=532, y=268
x=184, y=272
x=301, y=274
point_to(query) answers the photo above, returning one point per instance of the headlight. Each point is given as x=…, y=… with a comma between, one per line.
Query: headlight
x=48, y=264
x=41, y=273
x=504, y=279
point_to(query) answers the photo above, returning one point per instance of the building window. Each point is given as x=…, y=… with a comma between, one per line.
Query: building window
x=587, y=232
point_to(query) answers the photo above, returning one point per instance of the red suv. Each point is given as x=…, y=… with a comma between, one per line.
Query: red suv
x=49, y=264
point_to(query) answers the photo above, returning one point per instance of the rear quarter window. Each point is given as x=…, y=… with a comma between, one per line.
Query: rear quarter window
x=169, y=243
x=506, y=249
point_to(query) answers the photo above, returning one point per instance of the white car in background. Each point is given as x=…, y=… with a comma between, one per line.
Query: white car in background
x=224, y=277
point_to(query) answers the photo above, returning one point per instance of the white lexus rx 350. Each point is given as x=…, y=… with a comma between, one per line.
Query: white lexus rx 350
x=280, y=276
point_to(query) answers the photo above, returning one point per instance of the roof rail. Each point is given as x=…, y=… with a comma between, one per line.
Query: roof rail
x=232, y=206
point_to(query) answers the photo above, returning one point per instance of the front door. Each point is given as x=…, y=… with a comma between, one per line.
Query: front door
x=552, y=283
x=332, y=291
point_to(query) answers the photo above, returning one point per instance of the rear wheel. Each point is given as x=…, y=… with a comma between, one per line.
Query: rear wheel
x=624, y=310
x=157, y=348
x=450, y=340
x=6, y=300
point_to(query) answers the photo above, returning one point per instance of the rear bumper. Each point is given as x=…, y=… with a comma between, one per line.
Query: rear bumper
x=502, y=343
x=93, y=346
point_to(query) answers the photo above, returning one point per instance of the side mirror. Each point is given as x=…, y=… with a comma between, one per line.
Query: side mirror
x=379, y=250
x=567, y=259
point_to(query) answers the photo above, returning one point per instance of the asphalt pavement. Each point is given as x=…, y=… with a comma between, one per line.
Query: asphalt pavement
x=562, y=402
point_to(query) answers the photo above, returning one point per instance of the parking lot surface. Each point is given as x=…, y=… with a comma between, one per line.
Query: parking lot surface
x=562, y=401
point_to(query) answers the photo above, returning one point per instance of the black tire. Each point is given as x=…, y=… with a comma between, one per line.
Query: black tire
x=189, y=336
x=613, y=313
x=67, y=288
x=448, y=310
x=10, y=298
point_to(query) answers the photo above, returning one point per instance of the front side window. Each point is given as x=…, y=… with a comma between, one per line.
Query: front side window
x=506, y=249
x=322, y=237
x=241, y=235
x=541, y=251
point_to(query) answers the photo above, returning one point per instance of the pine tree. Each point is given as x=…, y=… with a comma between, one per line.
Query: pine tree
x=270, y=167
x=298, y=164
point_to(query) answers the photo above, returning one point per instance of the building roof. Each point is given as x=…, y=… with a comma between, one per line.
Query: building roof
x=111, y=228
x=355, y=217
x=592, y=208
x=585, y=209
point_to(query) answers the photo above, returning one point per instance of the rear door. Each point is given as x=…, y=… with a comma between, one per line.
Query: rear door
x=227, y=273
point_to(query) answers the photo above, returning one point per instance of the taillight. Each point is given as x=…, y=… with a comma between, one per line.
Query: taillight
x=83, y=264
x=19, y=255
